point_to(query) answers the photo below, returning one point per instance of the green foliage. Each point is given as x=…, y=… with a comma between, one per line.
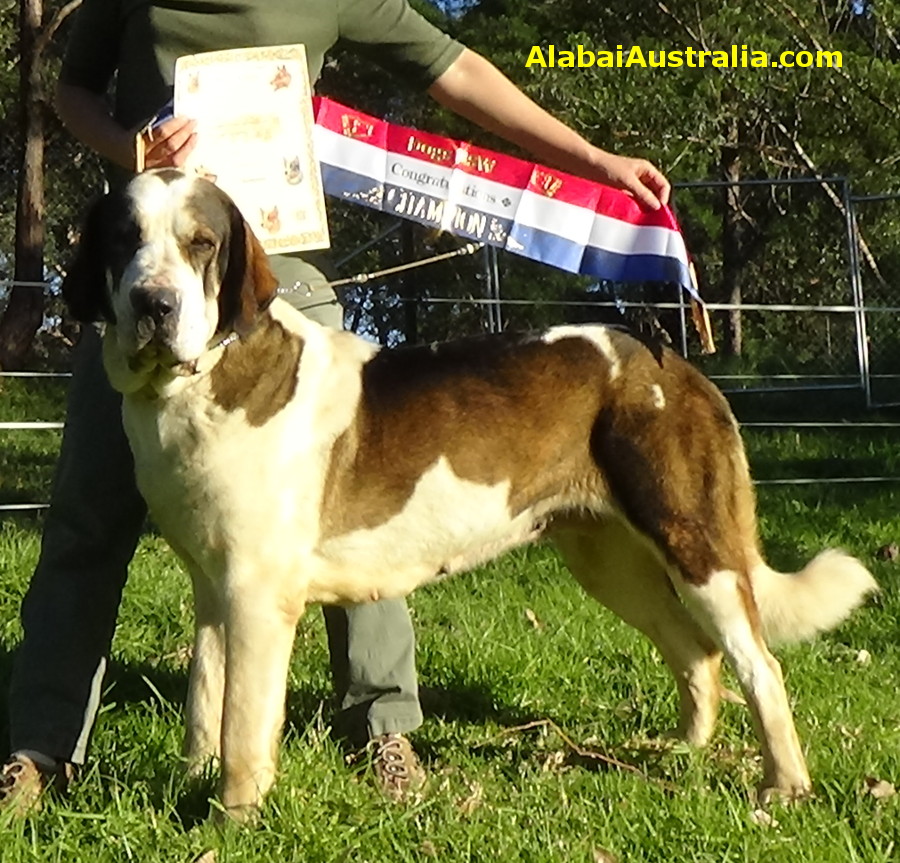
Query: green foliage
x=72, y=175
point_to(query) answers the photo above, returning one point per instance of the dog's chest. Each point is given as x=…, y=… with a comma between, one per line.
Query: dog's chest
x=200, y=471
x=171, y=453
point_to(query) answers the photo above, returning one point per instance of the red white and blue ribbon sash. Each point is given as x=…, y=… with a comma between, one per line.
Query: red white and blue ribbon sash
x=543, y=214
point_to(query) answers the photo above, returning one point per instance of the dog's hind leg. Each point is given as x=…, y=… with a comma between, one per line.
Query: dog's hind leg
x=723, y=602
x=706, y=536
x=679, y=473
x=259, y=632
x=623, y=573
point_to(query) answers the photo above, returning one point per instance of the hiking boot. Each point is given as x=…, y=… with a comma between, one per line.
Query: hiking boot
x=23, y=783
x=398, y=774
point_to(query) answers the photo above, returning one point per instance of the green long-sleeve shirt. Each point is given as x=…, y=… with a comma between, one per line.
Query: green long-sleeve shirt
x=138, y=41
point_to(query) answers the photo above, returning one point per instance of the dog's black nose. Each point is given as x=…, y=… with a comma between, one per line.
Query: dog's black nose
x=154, y=303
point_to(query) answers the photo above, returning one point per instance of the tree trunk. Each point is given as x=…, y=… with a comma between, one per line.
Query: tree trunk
x=25, y=309
x=732, y=251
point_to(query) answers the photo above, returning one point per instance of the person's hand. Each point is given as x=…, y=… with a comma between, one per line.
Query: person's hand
x=640, y=178
x=170, y=143
x=476, y=89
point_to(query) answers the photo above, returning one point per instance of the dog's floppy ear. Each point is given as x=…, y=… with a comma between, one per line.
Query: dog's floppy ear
x=248, y=284
x=84, y=287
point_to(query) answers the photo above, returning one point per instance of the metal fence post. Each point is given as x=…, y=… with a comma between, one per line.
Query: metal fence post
x=492, y=289
x=856, y=288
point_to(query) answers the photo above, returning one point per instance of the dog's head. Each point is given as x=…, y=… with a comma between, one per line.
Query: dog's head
x=170, y=261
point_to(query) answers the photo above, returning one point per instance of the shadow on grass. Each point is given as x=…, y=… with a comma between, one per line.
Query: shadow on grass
x=473, y=704
x=27, y=473
x=138, y=683
x=6, y=661
x=526, y=738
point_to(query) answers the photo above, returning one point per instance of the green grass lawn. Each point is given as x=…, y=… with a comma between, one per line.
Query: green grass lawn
x=530, y=692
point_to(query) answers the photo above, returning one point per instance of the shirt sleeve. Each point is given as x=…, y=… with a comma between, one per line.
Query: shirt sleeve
x=396, y=37
x=91, y=55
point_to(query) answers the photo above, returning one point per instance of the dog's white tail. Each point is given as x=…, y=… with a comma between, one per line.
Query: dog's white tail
x=797, y=606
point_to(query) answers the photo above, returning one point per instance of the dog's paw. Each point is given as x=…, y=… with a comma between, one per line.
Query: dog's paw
x=244, y=816
x=770, y=794
x=201, y=766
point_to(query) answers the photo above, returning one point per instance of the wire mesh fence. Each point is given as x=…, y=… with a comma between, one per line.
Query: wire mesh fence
x=799, y=277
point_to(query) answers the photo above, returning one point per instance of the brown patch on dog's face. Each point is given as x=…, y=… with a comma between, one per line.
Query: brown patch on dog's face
x=258, y=373
x=208, y=246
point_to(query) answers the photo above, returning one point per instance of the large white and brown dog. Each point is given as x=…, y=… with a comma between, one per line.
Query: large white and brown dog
x=287, y=464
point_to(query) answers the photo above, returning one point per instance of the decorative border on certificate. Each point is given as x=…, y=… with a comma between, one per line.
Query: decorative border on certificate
x=253, y=108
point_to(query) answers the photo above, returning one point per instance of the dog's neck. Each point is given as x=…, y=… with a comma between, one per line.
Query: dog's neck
x=144, y=376
x=255, y=372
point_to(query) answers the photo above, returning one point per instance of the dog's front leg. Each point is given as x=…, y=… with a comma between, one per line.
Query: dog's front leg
x=206, y=687
x=260, y=623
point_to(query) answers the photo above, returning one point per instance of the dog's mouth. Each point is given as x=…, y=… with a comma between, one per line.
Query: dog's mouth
x=152, y=347
x=149, y=357
x=162, y=329
x=152, y=338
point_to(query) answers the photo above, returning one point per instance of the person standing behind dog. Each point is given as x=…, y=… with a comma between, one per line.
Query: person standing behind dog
x=96, y=512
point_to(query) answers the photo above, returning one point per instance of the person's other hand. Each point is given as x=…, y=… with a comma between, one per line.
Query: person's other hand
x=169, y=144
x=640, y=178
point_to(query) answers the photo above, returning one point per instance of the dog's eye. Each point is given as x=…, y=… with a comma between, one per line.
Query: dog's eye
x=203, y=243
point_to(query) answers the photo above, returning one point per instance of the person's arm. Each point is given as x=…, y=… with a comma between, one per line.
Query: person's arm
x=86, y=115
x=475, y=89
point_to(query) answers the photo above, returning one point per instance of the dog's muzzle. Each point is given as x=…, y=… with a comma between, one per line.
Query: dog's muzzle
x=155, y=314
